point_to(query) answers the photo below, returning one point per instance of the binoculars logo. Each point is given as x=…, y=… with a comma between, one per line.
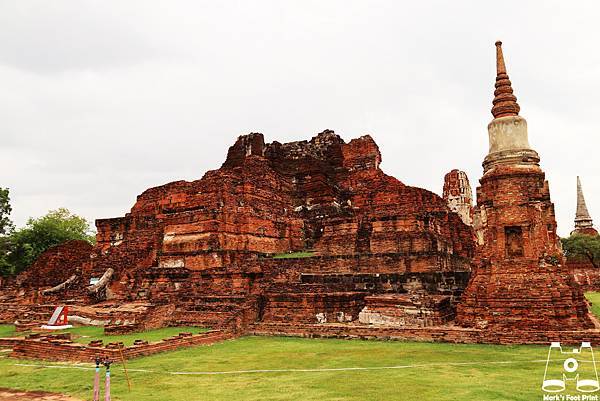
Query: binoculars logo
x=577, y=366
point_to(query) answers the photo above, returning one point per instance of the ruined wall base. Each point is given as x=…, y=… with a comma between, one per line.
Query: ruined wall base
x=51, y=349
x=407, y=310
x=523, y=295
x=585, y=274
x=449, y=334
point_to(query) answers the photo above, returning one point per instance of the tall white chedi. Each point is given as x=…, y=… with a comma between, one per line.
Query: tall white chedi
x=508, y=139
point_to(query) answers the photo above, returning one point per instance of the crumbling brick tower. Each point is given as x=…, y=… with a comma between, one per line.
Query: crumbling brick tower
x=583, y=221
x=458, y=196
x=519, y=282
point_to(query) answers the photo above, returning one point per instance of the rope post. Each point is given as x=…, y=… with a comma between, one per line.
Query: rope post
x=125, y=368
x=97, y=379
x=107, y=363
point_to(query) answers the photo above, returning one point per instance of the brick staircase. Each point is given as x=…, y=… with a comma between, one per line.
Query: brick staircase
x=207, y=311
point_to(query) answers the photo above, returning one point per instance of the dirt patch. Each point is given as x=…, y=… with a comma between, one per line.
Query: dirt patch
x=18, y=395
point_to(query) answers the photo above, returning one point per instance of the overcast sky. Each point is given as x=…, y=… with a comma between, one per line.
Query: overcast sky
x=100, y=100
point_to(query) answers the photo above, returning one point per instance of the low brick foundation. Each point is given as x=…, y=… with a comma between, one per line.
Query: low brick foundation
x=8, y=342
x=586, y=275
x=450, y=334
x=64, y=350
x=55, y=348
x=407, y=310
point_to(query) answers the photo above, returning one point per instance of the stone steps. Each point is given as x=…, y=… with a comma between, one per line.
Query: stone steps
x=203, y=319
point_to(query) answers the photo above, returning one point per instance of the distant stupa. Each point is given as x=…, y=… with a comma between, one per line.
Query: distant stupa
x=583, y=220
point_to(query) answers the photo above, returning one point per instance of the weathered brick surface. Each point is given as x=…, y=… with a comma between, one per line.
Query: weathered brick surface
x=332, y=330
x=447, y=333
x=585, y=274
x=53, y=267
x=25, y=312
x=309, y=307
x=458, y=195
x=8, y=342
x=201, y=252
x=205, y=246
x=520, y=281
x=50, y=349
x=421, y=310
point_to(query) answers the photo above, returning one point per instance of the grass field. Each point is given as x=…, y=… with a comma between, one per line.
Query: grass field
x=7, y=330
x=293, y=255
x=594, y=298
x=278, y=368
x=425, y=371
x=86, y=334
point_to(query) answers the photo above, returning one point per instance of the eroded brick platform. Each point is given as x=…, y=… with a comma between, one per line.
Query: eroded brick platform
x=61, y=348
x=202, y=252
x=447, y=333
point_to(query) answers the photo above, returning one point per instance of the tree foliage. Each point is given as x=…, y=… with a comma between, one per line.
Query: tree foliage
x=27, y=243
x=6, y=225
x=583, y=247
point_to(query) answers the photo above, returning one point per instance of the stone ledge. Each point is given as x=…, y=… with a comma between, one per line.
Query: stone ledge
x=26, y=348
x=451, y=334
x=9, y=342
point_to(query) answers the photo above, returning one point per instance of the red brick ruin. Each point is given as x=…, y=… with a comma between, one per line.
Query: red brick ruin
x=520, y=281
x=586, y=274
x=312, y=238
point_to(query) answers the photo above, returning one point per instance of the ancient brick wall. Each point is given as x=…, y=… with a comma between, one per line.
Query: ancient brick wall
x=585, y=274
x=312, y=307
x=447, y=333
x=458, y=195
x=520, y=281
x=124, y=244
x=407, y=310
x=52, y=348
x=24, y=311
x=206, y=246
x=56, y=265
x=57, y=274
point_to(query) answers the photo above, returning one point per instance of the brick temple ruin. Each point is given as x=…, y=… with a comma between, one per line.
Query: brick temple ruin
x=520, y=280
x=312, y=238
x=586, y=274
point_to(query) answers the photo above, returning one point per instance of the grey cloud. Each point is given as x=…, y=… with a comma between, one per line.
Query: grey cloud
x=59, y=36
x=101, y=100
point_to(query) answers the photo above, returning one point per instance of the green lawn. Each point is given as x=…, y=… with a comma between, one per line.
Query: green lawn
x=428, y=372
x=86, y=334
x=594, y=298
x=394, y=371
x=293, y=255
x=7, y=330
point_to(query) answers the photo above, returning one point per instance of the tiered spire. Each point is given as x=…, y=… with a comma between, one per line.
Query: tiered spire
x=582, y=216
x=505, y=103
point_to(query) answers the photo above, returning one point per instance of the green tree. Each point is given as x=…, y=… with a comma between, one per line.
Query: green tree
x=583, y=247
x=39, y=234
x=6, y=267
x=6, y=225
